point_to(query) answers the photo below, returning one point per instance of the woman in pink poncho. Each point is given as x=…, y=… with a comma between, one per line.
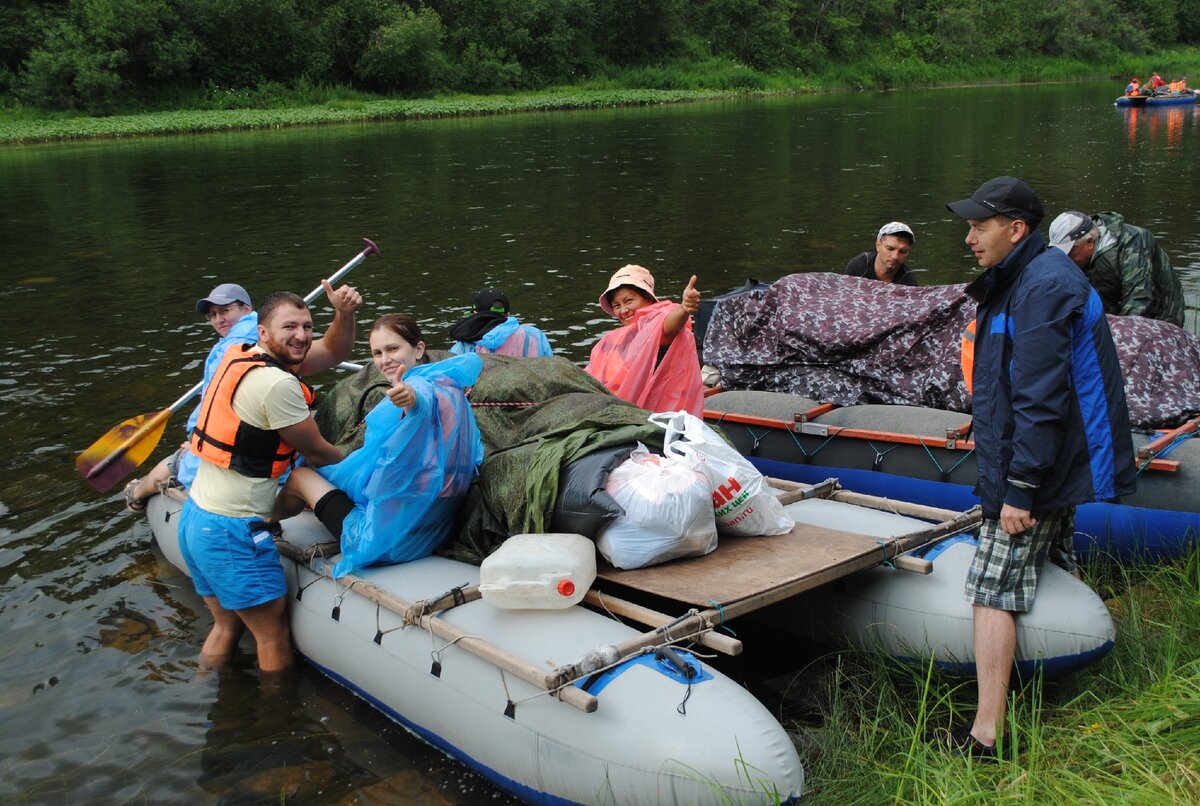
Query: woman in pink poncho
x=650, y=360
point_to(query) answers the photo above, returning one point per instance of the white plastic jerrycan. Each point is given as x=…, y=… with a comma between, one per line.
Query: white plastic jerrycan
x=538, y=572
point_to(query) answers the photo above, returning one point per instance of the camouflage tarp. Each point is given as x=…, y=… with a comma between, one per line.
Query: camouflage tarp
x=527, y=446
x=535, y=416
x=850, y=341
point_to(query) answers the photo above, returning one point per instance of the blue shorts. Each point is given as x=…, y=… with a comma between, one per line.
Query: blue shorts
x=233, y=559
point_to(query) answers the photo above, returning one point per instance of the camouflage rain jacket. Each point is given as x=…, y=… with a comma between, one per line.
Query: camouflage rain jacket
x=1132, y=273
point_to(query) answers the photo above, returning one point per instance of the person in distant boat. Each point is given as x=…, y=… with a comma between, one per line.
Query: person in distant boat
x=650, y=360
x=889, y=262
x=492, y=329
x=1155, y=81
x=1178, y=86
x=1127, y=267
x=228, y=309
x=254, y=420
x=1133, y=87
x=1051, y=427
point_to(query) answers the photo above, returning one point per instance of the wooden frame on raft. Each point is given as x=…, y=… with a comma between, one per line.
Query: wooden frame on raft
x=853, y=553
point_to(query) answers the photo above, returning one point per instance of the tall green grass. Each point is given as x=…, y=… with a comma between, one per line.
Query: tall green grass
x=1124, y=731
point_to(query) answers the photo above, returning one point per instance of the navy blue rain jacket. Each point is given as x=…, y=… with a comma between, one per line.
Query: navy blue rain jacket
x=1051, y=424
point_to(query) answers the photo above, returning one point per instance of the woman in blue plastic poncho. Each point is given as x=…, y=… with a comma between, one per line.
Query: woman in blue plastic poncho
x=394, y=499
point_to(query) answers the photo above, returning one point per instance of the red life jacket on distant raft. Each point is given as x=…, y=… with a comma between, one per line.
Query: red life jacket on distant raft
x=223, y=438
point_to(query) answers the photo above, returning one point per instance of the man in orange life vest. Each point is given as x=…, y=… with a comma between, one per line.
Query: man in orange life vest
x=254, y=420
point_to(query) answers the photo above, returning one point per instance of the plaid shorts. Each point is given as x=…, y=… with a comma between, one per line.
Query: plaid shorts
x=1004, y=573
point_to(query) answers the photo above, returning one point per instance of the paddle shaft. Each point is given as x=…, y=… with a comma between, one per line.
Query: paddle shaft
x=157, y=419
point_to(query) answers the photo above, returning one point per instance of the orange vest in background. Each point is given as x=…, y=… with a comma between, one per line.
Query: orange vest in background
x=968, y=356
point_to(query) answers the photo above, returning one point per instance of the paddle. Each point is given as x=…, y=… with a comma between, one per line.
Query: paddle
x=116, y=454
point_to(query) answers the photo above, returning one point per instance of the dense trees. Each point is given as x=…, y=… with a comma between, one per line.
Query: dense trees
x=100, y=55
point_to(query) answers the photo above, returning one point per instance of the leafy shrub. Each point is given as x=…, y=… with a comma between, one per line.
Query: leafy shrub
x=403, y=53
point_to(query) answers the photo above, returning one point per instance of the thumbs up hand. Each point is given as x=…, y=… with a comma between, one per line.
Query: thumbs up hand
x=691, y=297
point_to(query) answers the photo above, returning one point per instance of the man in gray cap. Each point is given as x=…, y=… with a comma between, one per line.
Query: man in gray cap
x=889, y=262
x=227, y=308
x=1051, y=426
x=224, y=306
x=1127, y=267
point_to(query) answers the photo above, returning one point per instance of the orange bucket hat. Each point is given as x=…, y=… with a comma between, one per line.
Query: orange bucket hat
x=632, y=275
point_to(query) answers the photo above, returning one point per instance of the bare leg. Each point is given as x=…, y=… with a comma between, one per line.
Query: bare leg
x=223, y=638
x=268, y=622
x=304, y=488
x=147, y=486
x=995, y=648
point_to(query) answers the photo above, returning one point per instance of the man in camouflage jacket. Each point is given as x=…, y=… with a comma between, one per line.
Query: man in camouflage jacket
x=1130, y=271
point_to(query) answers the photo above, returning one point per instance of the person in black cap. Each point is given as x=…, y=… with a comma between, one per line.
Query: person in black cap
x=491, y=329
x=1051, y=426
x=889, y=262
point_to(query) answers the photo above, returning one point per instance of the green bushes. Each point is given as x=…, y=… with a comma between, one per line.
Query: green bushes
x=105, y=56
x=403, y=54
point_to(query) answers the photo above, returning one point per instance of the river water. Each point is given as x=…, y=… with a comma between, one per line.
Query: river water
x=107, y=245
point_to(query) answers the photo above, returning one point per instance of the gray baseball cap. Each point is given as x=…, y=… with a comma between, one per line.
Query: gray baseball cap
x=223, y=294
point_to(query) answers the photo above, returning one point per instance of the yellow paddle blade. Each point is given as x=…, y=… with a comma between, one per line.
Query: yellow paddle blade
x=116, y=454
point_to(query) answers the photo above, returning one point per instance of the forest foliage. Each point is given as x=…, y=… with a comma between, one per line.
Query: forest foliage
x=102, y=56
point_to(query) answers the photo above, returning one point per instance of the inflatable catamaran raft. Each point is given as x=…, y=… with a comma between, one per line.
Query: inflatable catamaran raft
x=572, y=705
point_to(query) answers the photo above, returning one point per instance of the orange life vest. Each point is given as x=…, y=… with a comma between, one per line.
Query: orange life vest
x=968, y=356
x=223, y=438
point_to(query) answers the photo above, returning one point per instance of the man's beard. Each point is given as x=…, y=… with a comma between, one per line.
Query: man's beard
x=280, y=351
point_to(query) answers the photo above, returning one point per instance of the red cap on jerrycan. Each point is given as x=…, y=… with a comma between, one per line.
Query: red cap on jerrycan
x=538, y=571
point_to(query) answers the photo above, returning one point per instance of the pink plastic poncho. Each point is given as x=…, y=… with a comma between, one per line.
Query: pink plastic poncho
x=623, y=360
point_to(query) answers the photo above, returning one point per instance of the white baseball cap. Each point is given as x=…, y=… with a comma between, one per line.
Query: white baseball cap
x=895, y=228
x=1068, y=228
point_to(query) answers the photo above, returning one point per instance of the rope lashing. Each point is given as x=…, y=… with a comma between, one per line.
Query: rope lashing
x=721, y=612
x=379, y=631
x=877, y=464
x=945, y=473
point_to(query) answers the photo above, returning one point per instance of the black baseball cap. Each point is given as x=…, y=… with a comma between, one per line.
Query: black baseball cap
x=491, y=300
x=1004, y=195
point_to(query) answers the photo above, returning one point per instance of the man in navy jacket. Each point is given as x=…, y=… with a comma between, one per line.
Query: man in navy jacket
x=1051, y=425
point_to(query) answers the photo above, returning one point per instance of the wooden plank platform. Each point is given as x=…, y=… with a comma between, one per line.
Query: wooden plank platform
x=745, y=574
x=742, y=567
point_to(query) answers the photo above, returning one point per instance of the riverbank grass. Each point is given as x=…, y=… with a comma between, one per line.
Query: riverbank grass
x=1126, y=730
x=212, y=108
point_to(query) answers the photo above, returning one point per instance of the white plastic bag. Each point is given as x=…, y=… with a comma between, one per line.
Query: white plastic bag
x=741, y=500
x=668, y=512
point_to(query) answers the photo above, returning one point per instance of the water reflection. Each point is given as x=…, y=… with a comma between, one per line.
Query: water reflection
x=1158, y=129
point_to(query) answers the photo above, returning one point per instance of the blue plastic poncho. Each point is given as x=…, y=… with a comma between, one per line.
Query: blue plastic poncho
x=530, y=342
x=244, y=331
x=413, y=470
